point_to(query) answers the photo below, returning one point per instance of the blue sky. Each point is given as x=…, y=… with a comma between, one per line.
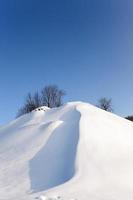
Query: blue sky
x=83, y=46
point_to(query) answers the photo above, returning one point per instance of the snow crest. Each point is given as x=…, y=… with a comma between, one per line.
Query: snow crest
x=76, y=151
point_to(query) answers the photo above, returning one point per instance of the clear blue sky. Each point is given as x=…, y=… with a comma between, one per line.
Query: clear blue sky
x=83, y=46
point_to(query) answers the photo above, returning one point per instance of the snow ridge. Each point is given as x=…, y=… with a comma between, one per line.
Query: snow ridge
x=76, y=151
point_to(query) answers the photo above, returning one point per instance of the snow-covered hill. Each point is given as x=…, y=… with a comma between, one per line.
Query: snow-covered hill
x=76, y=151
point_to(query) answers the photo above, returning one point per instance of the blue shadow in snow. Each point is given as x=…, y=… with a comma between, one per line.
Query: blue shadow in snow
x=54, y=164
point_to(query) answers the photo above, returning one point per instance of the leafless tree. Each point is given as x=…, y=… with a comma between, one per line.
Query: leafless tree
x=130, y=118
x=32, y=102
x=52, y=96
x=37, y=100
x=105, y=104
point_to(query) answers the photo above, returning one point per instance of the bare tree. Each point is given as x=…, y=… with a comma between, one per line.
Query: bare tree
x=32, y=102
x=37, y=100
x=52, y=96
x=130, y=118
x=105, y=104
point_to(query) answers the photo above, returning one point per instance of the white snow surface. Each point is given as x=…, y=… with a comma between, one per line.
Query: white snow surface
x=74, y=152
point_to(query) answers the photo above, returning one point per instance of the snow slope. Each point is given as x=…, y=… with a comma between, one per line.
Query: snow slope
x=76, y=151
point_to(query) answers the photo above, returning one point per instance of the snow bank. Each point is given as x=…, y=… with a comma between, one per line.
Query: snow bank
x=76, y=151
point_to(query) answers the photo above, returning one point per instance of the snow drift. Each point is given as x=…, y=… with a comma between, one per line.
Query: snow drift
x=76, y=151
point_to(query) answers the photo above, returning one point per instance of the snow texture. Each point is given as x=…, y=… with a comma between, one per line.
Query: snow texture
x=74, y=152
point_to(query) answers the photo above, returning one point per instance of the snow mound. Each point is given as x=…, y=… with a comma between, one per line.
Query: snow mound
x=76, y=151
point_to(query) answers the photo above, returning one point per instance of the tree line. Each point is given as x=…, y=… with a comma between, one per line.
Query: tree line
x=52, y=96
